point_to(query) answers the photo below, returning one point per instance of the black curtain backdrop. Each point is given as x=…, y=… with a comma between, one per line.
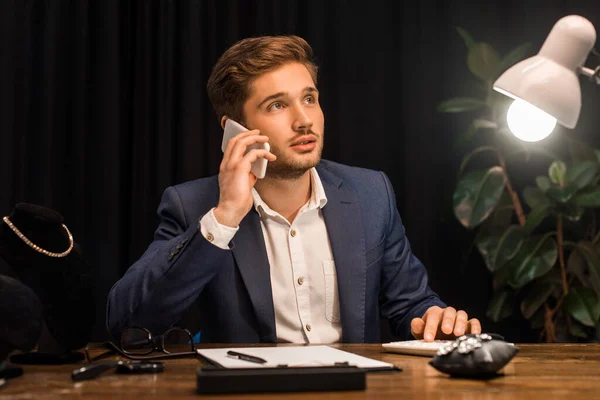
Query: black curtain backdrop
x=103, y=105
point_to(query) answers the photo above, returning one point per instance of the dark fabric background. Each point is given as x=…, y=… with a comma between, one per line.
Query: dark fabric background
x=103, y=105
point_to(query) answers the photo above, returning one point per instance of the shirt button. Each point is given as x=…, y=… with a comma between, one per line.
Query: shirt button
x=308, y=327
x=210, y=237
x=300, y=281
x=293, y=232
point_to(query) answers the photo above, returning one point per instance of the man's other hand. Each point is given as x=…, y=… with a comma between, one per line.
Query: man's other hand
x=443, y=323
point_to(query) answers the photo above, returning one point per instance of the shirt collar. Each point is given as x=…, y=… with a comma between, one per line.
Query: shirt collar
x=318, y=199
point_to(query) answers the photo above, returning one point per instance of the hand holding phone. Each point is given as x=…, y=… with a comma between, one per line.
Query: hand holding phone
x=245, y=157
x=232, y=129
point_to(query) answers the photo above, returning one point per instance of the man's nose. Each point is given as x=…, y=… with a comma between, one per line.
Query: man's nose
x=302, y=121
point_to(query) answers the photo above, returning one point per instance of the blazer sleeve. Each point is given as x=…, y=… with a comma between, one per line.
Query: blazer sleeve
x=405, y=292
x=158, y=288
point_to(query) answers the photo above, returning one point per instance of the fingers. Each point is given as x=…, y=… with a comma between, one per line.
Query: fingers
x=432, y=319
x=460, y=323
x=245, y=163
x=255, y=154
x=241, y=146
x=233, y=141
x=235, y=179
x=474, y=326
x=417, y=327
x=438, y=323
x=449, y=317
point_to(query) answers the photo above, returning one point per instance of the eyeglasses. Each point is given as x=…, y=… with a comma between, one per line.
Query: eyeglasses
x=137, y=343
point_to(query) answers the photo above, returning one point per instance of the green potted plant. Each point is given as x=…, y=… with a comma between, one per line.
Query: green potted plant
x=540, y=242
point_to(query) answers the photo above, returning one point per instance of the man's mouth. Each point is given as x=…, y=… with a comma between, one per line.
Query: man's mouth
x=305, y=144
x=304, y=140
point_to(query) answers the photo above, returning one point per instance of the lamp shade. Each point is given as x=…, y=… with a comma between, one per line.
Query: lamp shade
x=549, y=79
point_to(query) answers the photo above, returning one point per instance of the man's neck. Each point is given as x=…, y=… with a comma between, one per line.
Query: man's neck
x=285, y=196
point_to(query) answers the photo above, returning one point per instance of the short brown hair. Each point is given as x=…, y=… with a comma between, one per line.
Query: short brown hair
x=229, y=83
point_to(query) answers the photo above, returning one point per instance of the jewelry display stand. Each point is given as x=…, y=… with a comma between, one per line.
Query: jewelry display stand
x=40, y=251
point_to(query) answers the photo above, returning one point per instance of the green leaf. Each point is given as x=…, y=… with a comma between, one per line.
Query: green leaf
x=576, y=266
x=513, y=57
x=466, y=36
x=501, y=306
x=537, y=256
x=535, y=197
x=583, y=305
x=572, y=212
x=588, y=197
x=503, y=213
x=500, y=277
x=477, y=194
x=558, y=172
x=483, y=61
x=597, y=152
x=561, y=194
x=500, y=246
x=554, y=278
x=536, y=216
x=543, y=183
x=490, y=231
x=596, y=241
x=575, y=329
x=592, y=258
x=467, y=158
x=484, y=124
x=487, y=244
x=509, y=245
x=460, y=104
x=581, y=174
x=536, y=298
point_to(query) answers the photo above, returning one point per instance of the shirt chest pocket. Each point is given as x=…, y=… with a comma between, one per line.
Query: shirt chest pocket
x=332, y=302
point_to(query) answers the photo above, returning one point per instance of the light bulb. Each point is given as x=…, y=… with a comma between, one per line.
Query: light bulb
x=529, y=123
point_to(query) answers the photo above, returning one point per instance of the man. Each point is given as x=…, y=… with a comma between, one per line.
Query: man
x=313, y=253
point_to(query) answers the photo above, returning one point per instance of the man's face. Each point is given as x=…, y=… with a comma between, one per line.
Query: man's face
x=284, y=105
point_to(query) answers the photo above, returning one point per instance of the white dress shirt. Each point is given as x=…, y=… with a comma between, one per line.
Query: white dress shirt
x=302, y=269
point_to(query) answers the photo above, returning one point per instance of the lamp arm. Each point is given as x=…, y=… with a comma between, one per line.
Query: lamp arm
x=593, y=74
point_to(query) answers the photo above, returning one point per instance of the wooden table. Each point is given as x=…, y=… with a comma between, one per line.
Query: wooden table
x=539, y=371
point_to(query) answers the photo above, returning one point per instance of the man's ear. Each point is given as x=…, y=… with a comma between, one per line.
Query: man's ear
x=225, y=118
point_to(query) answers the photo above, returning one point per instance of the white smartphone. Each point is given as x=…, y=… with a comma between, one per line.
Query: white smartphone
x=232, y=129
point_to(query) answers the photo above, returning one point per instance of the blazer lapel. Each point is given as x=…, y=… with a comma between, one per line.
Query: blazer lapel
x=251, y=257
x=344, y=226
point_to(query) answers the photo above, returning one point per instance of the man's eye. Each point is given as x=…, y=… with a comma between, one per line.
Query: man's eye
x=275, y=106
x=309, y=99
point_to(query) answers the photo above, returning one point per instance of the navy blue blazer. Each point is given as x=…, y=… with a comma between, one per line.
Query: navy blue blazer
x=377, y=273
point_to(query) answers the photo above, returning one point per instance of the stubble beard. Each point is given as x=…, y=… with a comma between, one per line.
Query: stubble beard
x=289, y=168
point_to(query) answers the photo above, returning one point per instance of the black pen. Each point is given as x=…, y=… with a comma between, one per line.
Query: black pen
x=246, y=357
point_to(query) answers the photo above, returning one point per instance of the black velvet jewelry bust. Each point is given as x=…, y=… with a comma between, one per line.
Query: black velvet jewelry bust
x=20, y=317
x=60, y=278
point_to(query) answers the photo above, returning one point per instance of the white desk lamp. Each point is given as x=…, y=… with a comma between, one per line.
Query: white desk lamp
x=546, y=87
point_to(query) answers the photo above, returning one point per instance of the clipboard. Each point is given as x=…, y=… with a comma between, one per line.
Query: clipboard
x=291, y=356
x=284, y=369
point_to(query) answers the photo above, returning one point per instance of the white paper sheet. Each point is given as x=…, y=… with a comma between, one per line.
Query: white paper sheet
x=292, y=356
